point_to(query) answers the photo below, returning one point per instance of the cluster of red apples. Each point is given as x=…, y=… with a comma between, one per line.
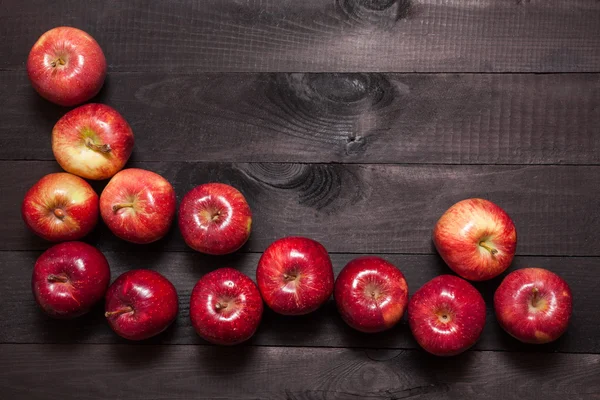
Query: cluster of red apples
x=294, y=276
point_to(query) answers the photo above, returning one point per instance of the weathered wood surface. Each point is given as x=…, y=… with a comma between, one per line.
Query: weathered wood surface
x=278, y=373
x=363, y=156
x=23, y=322
x=320, y=36
x=359, y=208
x=350, y=118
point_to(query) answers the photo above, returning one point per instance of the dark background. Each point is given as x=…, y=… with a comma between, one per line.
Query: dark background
x=355, y=122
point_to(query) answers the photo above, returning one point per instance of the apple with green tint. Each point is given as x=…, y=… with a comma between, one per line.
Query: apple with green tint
x=476, y=238
x=60, y=207
x=92, y=141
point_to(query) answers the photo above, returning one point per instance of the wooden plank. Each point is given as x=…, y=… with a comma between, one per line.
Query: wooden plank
x=359, y=208
x=185, y=372
x=23, y=322
x=350, y=118
x=323, y=36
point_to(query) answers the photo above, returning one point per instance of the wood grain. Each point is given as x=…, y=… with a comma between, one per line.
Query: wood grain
x=359, y=208
x=274, y=373
x=342, y=120
x=320, y=36
x=349, y=118
x=23, y=322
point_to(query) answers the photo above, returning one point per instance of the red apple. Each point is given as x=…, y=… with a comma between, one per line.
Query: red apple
x=138, y=205
x=476, y=238
x=225, y=307
x=69, y=278
x=446, y=316
x=66, y=66
x=533, y=305
x=371, y=294
x=141, y=304
x=60, y=207
x=295, y=276
x=93, y=141
x=215, y=218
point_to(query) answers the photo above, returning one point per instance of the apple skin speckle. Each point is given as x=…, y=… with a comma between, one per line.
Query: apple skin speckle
x=141, y=304
x=295, y=275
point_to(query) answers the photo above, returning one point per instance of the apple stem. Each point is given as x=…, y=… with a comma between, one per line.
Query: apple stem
x=536, y=297
x=118, y=312
x=220, y=306
x=57, y=278
x=58, y=61
x=488, y=248
x=102, y=148
x=288, y=278
x=118, y=206
x=59, y=213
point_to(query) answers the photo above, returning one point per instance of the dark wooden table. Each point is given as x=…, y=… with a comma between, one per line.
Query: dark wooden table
x=354, y=122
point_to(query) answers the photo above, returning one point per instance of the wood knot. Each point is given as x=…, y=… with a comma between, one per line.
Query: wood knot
x=341, y=88
x=346, y=94
x=377, y=5
x=376, y=13
x=323, y=187
x=339, y=110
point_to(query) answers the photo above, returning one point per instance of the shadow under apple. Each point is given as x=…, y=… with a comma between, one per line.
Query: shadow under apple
x=443, y=369
x=140, y=355
x=226, y=360
x=49, y=112
x=313, y=329
x=83, y=329
x=200, y=264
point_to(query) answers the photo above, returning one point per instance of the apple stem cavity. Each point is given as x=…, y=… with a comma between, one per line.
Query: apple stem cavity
x=59, y=213
x=489, y=248
x=58, y=61
x=102, y=148
x=118, y=312
x=118, y=206
x=57, y=278
x=444, y=317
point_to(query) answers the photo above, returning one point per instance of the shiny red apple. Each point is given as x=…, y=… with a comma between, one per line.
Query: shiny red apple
x=225, y=307
x=60, y=207
x=215, y=218
x=140, y=304
x=371, y=294
x=69, y=278
x=66, y=66
x=476, y=238
x=295, y=275
x=446, y=315
x=533, y=305
x=93, y=141
x=138, y=205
